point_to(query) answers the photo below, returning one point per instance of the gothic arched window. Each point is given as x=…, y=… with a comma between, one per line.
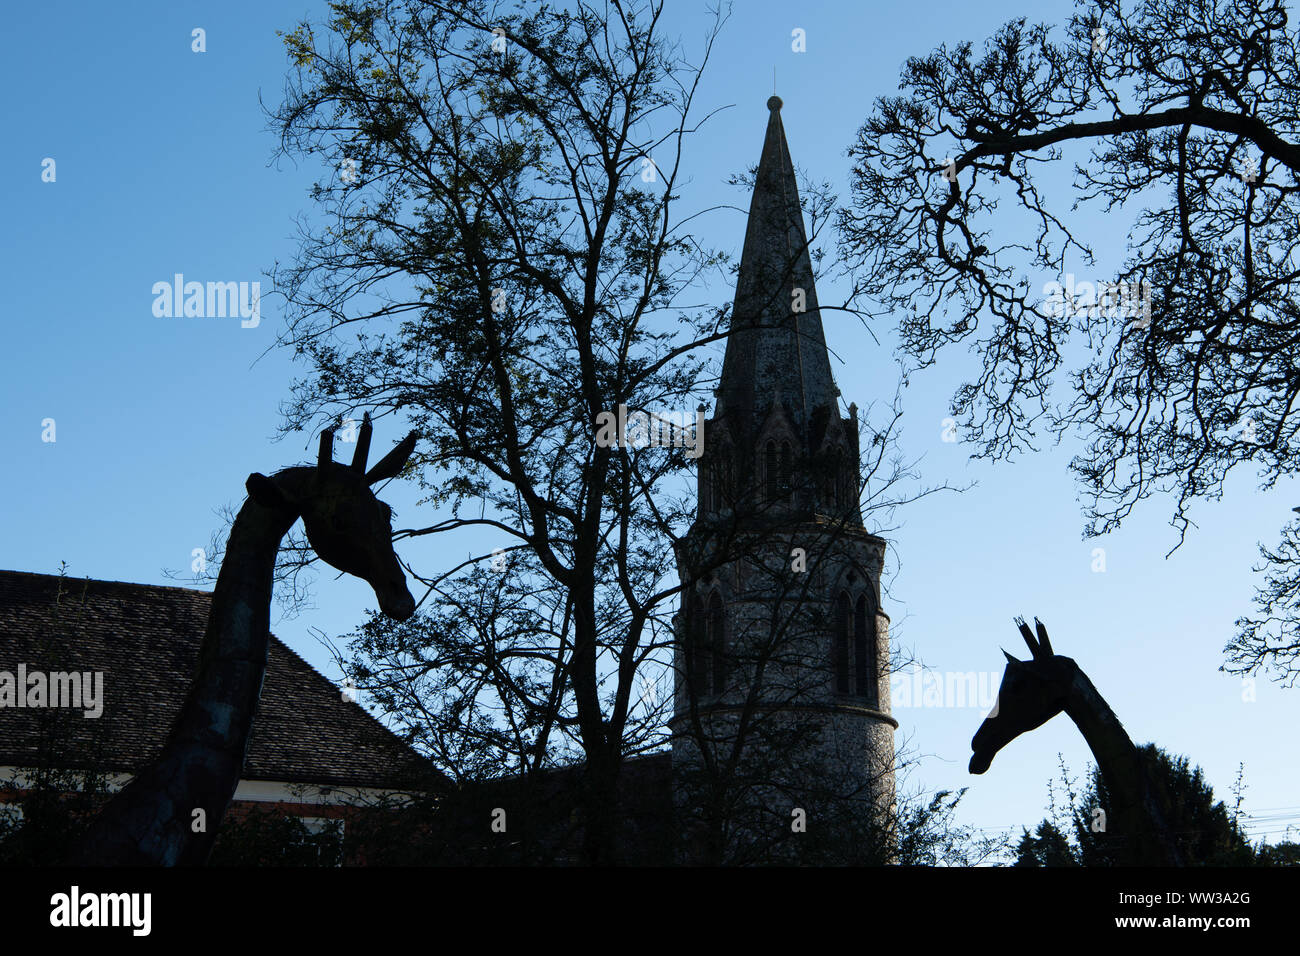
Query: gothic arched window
x=714, y=500
x=770, y=471
x=717, y=642
x=720, y=477
x=864, y=652
x=831, y=482
x=697, y=660
x=840, y=648
x=785, y=468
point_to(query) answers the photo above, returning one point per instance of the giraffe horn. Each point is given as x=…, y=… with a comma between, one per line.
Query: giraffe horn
x=388, y=466
x=326, y=446
x=1043, y=642
x=363, y=445
x=1028, y=635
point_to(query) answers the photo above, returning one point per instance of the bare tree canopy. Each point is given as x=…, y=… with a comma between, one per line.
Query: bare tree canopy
x=1183, y=115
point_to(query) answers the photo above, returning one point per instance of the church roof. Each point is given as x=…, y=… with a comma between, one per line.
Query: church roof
x=774, y=353
x=145, y=639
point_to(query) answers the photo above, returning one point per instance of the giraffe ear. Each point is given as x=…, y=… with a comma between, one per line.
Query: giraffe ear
x=1010, y=659
x=267, y=493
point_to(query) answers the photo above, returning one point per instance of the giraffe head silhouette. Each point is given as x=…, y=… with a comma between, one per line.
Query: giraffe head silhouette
x=1032, y=692
x=346, y=524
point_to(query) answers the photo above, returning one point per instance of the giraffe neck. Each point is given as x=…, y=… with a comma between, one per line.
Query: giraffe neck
x=1134, y=810
x=151, y=821
x=233, y=653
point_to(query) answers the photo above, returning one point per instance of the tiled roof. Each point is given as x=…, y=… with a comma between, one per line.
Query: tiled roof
x=146, y=641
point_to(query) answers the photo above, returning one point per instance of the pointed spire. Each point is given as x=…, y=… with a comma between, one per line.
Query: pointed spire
x=777, y=349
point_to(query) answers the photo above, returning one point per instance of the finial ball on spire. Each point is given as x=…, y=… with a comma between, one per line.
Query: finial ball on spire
x=774, y=103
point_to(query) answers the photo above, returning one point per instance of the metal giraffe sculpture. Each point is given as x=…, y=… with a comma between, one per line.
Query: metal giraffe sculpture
x=1036, y=690
x=150, y=822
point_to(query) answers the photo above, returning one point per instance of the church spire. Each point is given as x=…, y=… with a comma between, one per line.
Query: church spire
x=781, y=694
x=776, y=353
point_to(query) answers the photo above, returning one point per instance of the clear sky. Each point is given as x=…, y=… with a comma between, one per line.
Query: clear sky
x=163, y=166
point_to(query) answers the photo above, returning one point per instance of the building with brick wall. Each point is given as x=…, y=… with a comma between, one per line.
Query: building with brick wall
x=107, y=666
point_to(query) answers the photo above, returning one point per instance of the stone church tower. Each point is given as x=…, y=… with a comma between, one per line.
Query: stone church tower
x=782, y=740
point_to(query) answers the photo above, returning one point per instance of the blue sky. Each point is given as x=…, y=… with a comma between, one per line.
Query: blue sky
x=164, y=166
